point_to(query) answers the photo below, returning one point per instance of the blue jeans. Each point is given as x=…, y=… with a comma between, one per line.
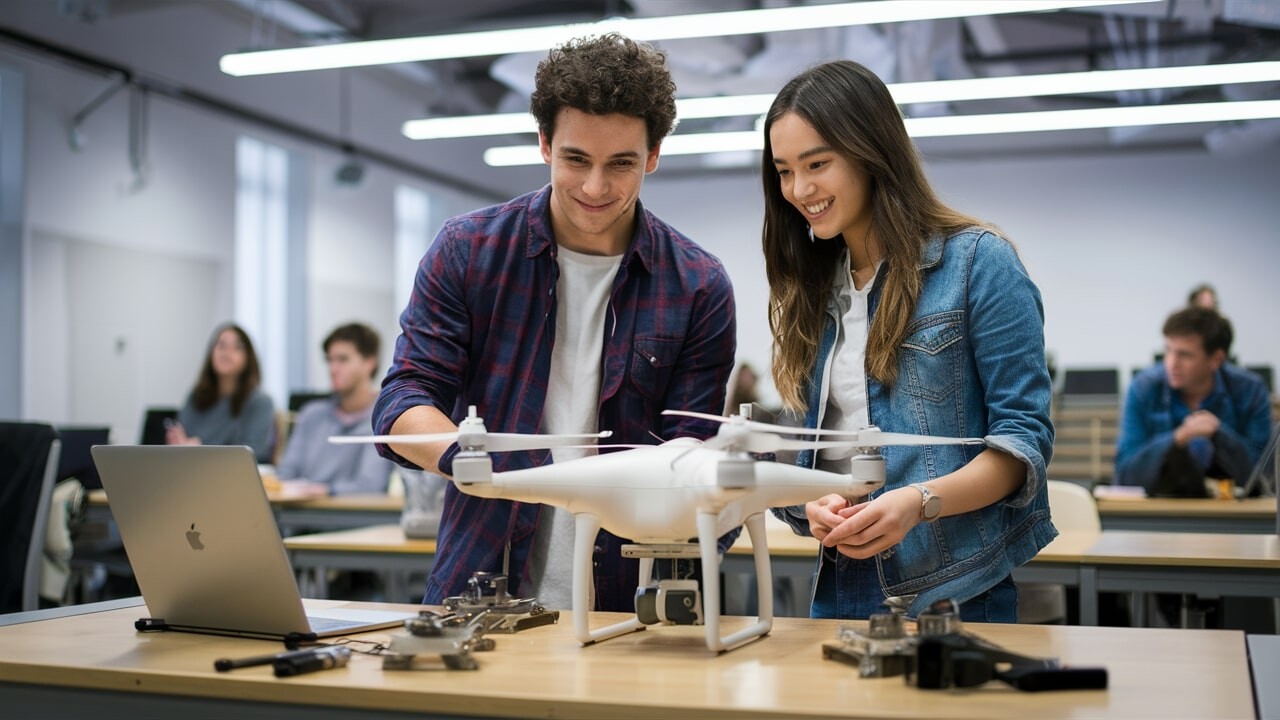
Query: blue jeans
x=850, y=589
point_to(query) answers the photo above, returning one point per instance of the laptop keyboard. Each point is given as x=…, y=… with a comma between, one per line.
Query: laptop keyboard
x=327, y=624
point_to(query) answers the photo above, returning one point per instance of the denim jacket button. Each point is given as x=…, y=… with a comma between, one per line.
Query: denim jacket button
x=886, y=554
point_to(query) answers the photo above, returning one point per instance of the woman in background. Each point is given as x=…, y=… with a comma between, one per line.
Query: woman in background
x=226, y=407
x=888, y=308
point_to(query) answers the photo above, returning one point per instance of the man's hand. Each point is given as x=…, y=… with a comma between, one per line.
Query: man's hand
x=1200, y=423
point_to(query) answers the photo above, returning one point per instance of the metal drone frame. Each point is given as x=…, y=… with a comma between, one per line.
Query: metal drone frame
x=660, y=496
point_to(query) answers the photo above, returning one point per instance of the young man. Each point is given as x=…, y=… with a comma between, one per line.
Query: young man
x=567, y=310
x=1195, y=415
x=352, y=354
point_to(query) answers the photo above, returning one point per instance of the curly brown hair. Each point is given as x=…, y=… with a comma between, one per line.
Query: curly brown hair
x=604, y=75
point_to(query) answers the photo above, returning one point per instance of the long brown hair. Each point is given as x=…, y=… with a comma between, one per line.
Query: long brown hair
x=853, y=112
x=205, y=394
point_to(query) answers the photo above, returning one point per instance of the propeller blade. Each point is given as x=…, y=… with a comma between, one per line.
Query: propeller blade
x=506, y=442
x=755, y=425
x=386, y=439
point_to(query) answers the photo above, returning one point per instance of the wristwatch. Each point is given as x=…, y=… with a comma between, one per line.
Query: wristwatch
x=930, y=504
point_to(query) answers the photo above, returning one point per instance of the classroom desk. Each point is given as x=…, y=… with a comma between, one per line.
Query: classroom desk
x=302, y=511
x=97, y=666
x=1250, y=515
x=1209, y=564
x=382, y=548
x=336, y=513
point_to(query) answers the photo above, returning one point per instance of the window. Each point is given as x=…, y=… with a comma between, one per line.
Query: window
x=414, y=234
x=269, y=260
x=11, y=255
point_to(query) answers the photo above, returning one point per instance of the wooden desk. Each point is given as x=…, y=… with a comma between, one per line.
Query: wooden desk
x=303, y=511
x=381, y=548
x=97, y=666
x=1250, y=515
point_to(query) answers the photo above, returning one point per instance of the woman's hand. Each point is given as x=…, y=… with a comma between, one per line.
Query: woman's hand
x=824, y=514
x=175, y=434
x=869, y=528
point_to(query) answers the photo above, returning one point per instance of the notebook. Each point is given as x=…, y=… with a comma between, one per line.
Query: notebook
x=204, y=546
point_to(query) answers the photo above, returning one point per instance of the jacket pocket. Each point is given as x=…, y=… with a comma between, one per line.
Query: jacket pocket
x=931, y=356
x=652, y=360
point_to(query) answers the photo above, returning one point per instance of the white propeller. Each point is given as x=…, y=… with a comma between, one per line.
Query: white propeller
x=753, y=436
x=487, y=441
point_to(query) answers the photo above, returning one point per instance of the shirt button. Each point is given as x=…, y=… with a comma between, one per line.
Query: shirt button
x=886, y=554
x=653, y=360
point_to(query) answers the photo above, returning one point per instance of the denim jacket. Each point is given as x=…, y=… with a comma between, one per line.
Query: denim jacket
x=1153, y=411
x=972, y=365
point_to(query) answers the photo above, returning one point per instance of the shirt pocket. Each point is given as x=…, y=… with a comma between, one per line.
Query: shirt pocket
x=931, y=356
x=652, y=360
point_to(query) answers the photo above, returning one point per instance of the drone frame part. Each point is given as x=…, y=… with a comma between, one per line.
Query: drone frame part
x=586, y=525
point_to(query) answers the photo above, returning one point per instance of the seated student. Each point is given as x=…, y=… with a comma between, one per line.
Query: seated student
x=226, y=407
x=352, y=353
x=1193, y=416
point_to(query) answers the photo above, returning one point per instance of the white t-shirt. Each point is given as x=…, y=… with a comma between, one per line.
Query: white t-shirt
x=847, y=399
x=573, y=399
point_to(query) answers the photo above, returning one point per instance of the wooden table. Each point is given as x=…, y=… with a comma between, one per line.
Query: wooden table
x=1209, y=564
x=381, y=548
x=97, y=666
x=295, y=510
x=1250, y=515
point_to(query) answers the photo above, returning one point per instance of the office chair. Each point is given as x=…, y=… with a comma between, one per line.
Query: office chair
x=28, y=461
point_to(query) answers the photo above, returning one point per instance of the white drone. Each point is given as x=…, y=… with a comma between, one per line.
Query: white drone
x=661, y=496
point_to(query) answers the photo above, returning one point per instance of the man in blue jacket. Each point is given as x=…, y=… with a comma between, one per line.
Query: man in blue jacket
x=1195, y=415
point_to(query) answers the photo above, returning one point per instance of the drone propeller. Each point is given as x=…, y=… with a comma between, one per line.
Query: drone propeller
x=487, y=441
x=754, y=436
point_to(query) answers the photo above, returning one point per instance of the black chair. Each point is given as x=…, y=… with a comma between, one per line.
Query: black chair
x=298, y=398
x=1266, y=373
x=28, y=462
x=153, y=425
x=1090, y=386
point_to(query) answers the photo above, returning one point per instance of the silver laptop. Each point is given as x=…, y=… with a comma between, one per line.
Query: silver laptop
x=204, y=544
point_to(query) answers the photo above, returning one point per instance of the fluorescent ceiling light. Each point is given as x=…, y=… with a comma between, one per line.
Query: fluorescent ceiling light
x=953, y=125
x=534, y=39
x=1079, y=83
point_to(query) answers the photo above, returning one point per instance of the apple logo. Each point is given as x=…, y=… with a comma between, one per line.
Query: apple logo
x=193, y=537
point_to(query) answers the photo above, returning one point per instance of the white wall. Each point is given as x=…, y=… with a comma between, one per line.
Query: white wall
x=1115, y=243
x=123, y=284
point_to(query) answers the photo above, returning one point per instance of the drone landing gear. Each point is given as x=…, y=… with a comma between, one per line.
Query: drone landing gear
x=707, y=523
x=587, y=525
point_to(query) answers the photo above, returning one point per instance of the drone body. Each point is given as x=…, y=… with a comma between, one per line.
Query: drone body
x=653, y=494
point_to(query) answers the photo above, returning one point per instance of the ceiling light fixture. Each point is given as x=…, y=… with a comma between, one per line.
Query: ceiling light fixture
x=955, y=125
x=720, y=24
x=990, y=88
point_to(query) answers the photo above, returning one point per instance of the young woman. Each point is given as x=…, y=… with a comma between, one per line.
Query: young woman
x=888, y=308
x=226, y=407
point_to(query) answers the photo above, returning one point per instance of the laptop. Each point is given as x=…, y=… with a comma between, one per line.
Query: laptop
x=204, y=546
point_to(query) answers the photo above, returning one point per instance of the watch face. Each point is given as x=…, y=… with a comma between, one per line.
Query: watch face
x=931, y=508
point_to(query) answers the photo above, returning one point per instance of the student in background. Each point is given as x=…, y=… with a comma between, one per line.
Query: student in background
x=567, y=310
x=1203, y=296
x=226, y=407
x=351, y=352
x=1194, y=415
x=889, y=308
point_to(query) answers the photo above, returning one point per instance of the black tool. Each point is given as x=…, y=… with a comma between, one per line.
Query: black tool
x=225, y=664
x=306, y=661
